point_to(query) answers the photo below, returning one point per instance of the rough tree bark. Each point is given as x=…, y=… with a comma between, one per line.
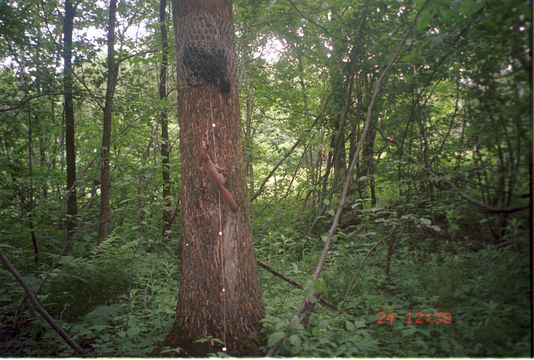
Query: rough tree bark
x=220, y=294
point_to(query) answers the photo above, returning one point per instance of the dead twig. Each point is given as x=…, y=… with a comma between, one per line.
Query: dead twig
x=293, y=282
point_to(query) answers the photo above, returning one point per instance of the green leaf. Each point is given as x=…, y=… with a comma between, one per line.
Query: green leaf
x=319, y=286
x=167, y=350
x=359, y=323
x=102, y=314
x=275, y=337
x=425, y=221
x=295, y=342
x=309, y=288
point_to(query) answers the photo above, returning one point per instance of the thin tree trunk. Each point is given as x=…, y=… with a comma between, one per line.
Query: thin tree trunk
x=72, y=207
x=27, y=206
x=369, y=163
x=338, y=161
x=30, y=206
x=165, y=172
x=105, y=185
x=220, y=294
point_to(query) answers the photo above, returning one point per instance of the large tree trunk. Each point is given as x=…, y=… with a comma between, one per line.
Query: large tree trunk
x=72, y=207
x=105, y=182
x=220, y=295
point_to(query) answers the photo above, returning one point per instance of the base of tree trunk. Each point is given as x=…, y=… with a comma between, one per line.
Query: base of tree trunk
x=178, y=339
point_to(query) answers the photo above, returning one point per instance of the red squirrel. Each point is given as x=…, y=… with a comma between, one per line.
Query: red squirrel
x=217, y=178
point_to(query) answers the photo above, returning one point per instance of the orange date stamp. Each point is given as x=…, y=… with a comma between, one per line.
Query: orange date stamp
x=417, y=318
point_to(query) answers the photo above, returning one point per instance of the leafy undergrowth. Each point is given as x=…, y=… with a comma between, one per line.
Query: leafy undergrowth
x=97, y=305
x=485, y=290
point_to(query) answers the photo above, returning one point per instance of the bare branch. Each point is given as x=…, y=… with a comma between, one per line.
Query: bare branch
x=27, y=99
x=292, y=282
x=38, y=306
x=314, y=22
x=360, y=267
x=308, y=304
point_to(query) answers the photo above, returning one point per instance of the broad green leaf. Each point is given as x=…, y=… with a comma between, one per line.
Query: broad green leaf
x=275, y=337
